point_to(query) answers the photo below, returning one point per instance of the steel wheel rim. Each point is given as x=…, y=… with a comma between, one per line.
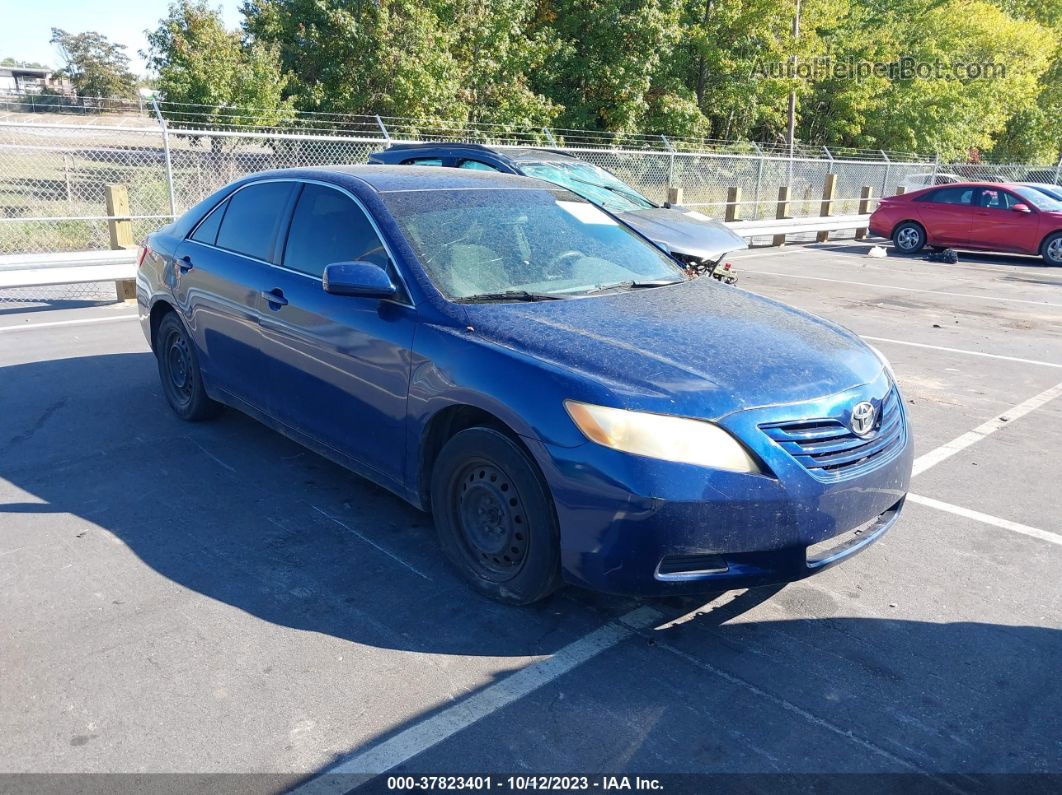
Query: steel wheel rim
x=179, y=365
x=1054, y=250
x=907, y=238
x=491, y=521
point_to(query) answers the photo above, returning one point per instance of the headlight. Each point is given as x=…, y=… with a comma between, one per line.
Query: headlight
x=677, y=439
x=885, y=362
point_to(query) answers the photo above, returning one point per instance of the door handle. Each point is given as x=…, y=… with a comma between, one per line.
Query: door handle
x=185, y=263
x=275, y=297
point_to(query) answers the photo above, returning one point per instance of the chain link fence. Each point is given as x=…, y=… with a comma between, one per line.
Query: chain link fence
x=52, y=175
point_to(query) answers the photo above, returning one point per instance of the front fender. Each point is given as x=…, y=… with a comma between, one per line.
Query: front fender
x=454, y=366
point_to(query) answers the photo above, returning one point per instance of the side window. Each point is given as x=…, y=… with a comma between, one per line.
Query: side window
x=423, y=161
x=476, y=165
x=328, y=227
x=961, y=196
x=250, y=223
x=207, y=231
x=997, y=199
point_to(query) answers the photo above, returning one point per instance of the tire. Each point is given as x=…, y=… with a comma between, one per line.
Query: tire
x=495, y=518
x=909, y=237
x=182, y=382
x=1051, y=250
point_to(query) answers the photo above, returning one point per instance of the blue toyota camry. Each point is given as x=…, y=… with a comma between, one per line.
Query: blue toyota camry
x=569, y=404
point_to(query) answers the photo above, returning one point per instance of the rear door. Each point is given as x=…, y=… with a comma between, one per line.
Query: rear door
x=998, y=226
x=947, y=214
x=221, y=268
x=339, y=364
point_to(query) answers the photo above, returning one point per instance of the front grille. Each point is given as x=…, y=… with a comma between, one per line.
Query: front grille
x=831, y=451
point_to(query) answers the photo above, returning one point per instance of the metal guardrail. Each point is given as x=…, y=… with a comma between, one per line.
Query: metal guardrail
x=77, y=267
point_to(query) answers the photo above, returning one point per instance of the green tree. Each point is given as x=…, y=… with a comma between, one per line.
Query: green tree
x=208, y=75
x=991, y=65
x=392, y=57
x=94, y=65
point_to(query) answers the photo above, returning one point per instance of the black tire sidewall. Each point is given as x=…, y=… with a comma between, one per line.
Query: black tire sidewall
x=540, y=573
x=200, y=406
x=1043, y=249
x=921, y=233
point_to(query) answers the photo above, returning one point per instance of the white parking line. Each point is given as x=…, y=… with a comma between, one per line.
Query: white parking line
x=56, y=323
x=371, y=543
x=962, y=350
x=977, y=516
x=905, y=289
x=960, y=443
x=424, y=735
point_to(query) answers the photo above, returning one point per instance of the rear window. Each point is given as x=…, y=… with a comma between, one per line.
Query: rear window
x=961, y=196
x=207, y=231
x=250, y=223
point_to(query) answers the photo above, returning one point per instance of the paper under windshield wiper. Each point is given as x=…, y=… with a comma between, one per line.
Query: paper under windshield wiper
x=508, y=295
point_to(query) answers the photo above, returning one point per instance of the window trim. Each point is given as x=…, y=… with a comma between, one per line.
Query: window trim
x=285, y=224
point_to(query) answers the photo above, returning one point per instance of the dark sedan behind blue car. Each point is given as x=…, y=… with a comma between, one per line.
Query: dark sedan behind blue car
x=564, y=398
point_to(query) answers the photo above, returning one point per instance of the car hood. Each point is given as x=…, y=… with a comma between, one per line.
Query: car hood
x=684, y=231
x=698, y=348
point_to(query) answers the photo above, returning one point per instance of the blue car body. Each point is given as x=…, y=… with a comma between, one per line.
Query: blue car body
x=376, y=385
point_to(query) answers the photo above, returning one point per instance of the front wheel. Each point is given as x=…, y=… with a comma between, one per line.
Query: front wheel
x=909, y=237
x=182, y=382
x=1052, y=249
x=494, y=517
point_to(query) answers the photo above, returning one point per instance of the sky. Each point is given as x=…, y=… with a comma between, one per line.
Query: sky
x=27, y=25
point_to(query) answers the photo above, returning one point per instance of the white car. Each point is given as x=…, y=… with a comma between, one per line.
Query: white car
x=919, y=181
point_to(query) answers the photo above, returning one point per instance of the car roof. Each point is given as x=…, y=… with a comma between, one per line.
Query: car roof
x=513, y=153
x=388, y=178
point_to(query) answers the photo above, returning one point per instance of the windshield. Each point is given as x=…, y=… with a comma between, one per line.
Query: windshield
x=1039, y=199
x=541, y=242
x=592, y=183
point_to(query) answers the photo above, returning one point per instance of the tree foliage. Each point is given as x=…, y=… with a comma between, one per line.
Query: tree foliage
x=210, y=74
x=695, y=68
x=93, y=64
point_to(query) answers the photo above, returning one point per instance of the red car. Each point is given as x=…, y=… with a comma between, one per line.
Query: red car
x=988, y=216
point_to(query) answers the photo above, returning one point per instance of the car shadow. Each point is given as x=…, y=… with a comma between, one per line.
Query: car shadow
x=951, y=707
x=235, y=512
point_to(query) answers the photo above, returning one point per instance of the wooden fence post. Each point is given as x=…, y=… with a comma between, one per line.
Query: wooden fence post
x=865, y=195
x=733, y=204
x=828, y=186
x=782, y=212
x=674, y=195
x=120, y=228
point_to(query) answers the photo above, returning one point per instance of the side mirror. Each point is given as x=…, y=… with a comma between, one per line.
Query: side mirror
x=1021, y=208
x=358, y=278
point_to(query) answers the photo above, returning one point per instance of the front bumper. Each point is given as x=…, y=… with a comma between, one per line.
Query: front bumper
x=638, y=526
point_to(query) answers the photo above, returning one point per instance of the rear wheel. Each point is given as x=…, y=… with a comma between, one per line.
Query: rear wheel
x=1052, y=249
x=182, y=382
x=909, y=237
x=494, y=517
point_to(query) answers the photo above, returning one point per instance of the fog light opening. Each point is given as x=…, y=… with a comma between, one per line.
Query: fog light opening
x=684, y=567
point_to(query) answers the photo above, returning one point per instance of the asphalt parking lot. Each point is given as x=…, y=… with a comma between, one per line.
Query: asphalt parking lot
x=212, y=598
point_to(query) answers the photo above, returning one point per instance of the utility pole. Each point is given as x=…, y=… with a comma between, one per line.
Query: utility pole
x=791, y=131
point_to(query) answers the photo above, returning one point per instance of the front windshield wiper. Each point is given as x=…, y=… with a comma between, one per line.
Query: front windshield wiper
x=629, y=285
x=508, y=295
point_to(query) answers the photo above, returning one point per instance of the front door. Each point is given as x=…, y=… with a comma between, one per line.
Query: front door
x=339, y=364
x=998, y=226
